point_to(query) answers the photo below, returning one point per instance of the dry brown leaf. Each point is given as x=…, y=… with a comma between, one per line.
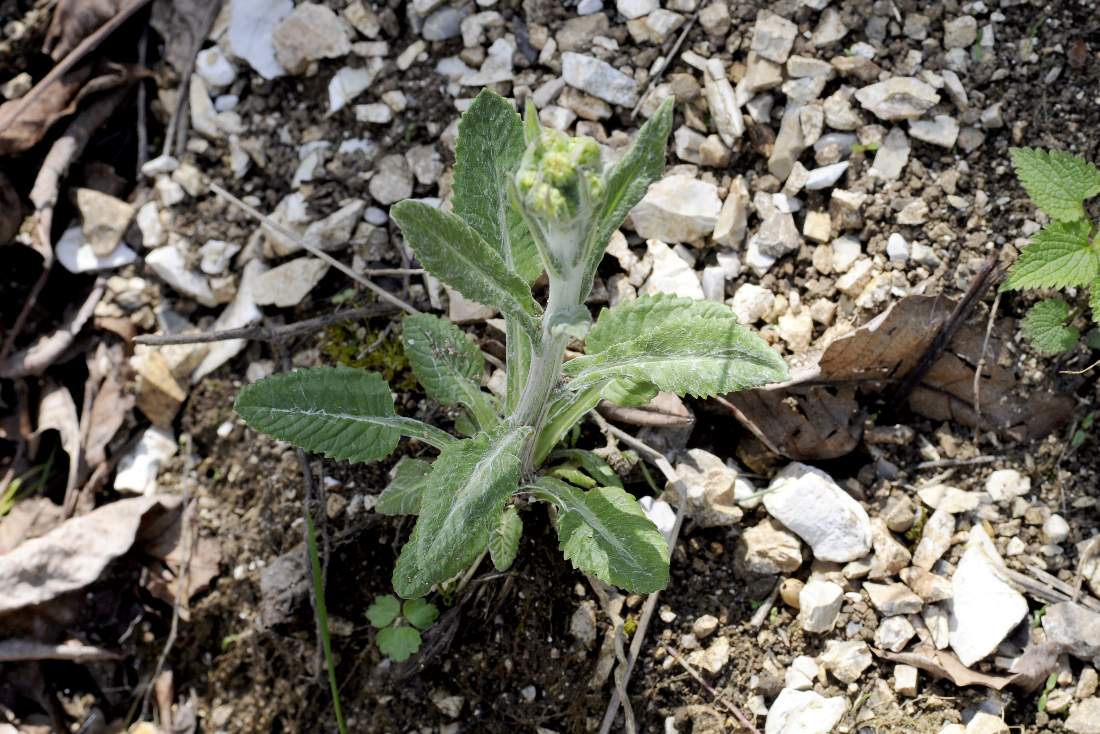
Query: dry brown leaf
x=75, y=20
x=945, y=664
x=75, y=553
x=815, y=414
x=11, y=211
x=183, y=24
x=108, y=373
x=30, y=517
x=57, y=411
x=164, y=541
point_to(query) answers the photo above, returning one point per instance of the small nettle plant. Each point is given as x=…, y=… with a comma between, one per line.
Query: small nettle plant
x=399, y=625
x=527, y=200
x=1063, y=254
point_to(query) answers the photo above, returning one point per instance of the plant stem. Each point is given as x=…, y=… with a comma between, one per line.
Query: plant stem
x=322, y=619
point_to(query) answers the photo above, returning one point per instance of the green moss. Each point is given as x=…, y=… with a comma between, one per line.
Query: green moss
x=359, y=346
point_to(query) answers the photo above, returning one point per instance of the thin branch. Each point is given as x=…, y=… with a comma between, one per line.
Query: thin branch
x=943, y=463
x=981, y=358
x=668, y=60
x=18, y=650
x=718, y=697
x=286, y=233
x=269, y=333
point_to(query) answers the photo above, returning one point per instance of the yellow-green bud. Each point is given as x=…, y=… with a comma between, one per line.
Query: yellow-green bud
x=557, y=173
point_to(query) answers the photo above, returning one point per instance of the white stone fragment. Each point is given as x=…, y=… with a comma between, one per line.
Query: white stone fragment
x=984, y=608
x=599, y=79
x=942, y=130
x=137, y=470
x=815, y=508
x=251, y=25
x=241, y=312
x=349, y=82
x=804, y=712
x=670, y=273
x=677, y=208
x=77, y=255
x=311, y=32
x=170, y=264
x=826, y=176
x=1005, y=484
x=898, y=98
x=289, y=283
x=819, y=604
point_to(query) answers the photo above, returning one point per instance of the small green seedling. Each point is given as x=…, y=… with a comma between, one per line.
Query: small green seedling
x=399, y=625
x=527, y=201
x=1065, y=253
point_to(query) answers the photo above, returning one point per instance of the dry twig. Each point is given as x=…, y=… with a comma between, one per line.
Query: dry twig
x=718, y=697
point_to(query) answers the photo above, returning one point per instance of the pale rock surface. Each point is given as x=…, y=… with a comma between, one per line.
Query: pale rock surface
x=392, y=180
x=170, y=264
x=104, y=219
x=241, y=312
x=289, y=283
x=846, y=660
x=898, y=98
x=942, y=130
x=819, y=604
x=215, y=68
x=752, y=302
x=773, y=36
x=729, y=229
x=310, y=32
x=77, y=255
x=985, y=608
x=713, y=658
x=815, y=508
x=767, y=549
x=670, y=273
x=251, y=26
x=137, y=470
x=349, y=82
x=599, y=79
x=710, y=484
x=677, y=208
x=804, y=712
x=1084, y=718
x=893, y=599
x=1004, y=484
x=1075, y=627
x=894, y=633
x=935, y=539
x=631, y=9
x=892, y=155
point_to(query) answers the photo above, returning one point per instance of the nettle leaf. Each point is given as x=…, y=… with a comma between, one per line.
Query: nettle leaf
x=420, y=613
x=456, y=254
x=1045, y=325
x=642, y=315
x=627, y=183
x=1056, y=181
x=604, y=532
x=398, y=643
x=701, y=358
x=341, y=412
x=468, y=487
x=447, y=364
x=592, y=464
x=1059, y=256
x=383, y=610
x=408, y=480
x=504, y=541
x=488, y=151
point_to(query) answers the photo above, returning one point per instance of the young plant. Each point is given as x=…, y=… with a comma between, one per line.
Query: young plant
x=1065, y=253
x=399, y=625
x=526, y=200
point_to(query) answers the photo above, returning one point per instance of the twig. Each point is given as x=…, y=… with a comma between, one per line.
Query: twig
x=176, y=135
x=985, y=278
x=659, y=460
x=942, y=463
x=17, y=650
x=630, y=725
x=1090, y=368
x=142, y=132
x=71, y=59
x=284, y=232
x=981, y=358
x=761, y=614
x=664, y=65
x=268, y=333
x=718, y=697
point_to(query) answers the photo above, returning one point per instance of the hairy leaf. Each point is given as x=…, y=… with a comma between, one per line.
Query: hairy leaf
x=340, y=412
x=1058, y=256
x=383, y=610
x=630, y=393
x=456, y=254
x=398, y=643
x=447, y=364
x=604, y=532
x=488, y=151
x=408, y=480
x=1094, y=300
x=644, y=314
x=627, y=183
x=592, y=464
x=1046, y=328
x=504, y=541
x=574, y=321
x=1056, y=181
x=420, y=613
x=702, y=358
x=468, y=487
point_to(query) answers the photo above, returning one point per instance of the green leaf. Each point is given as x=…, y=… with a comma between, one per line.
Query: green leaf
x=408, y=480
x=468, y=487
x=518, y=365
x=573, y=475
x=532, y=129
x=629, y=393
x=420, y=613
x=1094, y=300
x=488, y=151
x=574, y=321
x=702, y=358
x=596, y=467
x=456, y=254
x=398, y=643
x=1056, y=181
x=567, y=408
x=644, y=314
x=504, y=541
x=383, y=610
x=1059, y=256
x=447, y=364
x=1046, y=328
x=341, y=412
x=627, y=183
x=604, y=532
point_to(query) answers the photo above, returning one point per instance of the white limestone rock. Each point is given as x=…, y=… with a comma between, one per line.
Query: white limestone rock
x=804, y=712
x=898, y=98
x=598, y=78
x=251, y=26
x=814, y=507
x=677, y=208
